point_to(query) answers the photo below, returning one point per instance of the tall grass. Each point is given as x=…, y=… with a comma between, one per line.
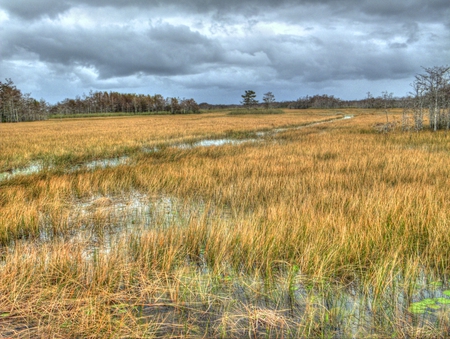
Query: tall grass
x=328, y=230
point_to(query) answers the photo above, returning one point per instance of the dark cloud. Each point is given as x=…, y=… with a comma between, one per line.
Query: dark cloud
x=198, y=46
x=162, y=50
x=412, y=32
x=30, y=9
x=34, y=9
x=411, y=8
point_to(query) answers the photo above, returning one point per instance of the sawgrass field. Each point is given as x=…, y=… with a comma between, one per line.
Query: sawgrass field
x=309, y=223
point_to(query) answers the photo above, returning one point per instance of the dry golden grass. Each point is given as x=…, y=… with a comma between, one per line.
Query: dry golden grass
x=268, y=238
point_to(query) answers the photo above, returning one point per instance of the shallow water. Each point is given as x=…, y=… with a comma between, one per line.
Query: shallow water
x=33, y=168
x=37, y=167
x=350, y=308
x=99, y=223
x=261, y=134
x=215, y=142
x=104, y=163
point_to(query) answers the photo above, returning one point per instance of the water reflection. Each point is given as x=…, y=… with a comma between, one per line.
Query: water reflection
x=215, y=142
x=33, y=168
x=37, y=167
x=103, y=163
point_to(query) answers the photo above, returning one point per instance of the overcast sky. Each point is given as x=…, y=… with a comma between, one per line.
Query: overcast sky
x=214, y=50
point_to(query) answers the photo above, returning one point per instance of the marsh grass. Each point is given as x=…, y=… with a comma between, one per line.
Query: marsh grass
x=332, y=230
x=74, y=141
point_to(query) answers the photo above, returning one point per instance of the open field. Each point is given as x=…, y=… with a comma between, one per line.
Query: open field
x=329, y=230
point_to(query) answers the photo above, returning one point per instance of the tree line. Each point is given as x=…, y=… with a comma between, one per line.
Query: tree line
x=329, y=101
x=114, y=102
x=430, y=96
x=16, y=106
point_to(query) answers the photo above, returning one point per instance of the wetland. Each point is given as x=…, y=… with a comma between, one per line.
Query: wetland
x=308, y=223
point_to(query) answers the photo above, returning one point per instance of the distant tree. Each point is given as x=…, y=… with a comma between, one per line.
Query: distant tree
x=174, y=105
x=369, y=101
x=248, y=99
x=317, y=101
x=269, y=100
x=189, y=106
x=387, y=99
x=385, y=102
x=159, y=102
x=204, y=106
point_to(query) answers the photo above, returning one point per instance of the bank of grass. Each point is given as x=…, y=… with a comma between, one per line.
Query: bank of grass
x=278, y=238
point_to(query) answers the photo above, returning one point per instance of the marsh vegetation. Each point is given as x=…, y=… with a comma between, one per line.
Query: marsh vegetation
x=330, y=230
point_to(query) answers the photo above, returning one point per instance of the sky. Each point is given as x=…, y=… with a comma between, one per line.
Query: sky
x=214, y=50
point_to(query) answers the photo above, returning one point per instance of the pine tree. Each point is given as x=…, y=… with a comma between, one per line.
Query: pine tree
x=248, y=99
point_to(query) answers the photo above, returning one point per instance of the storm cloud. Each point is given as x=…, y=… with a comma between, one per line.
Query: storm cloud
x=214, y=50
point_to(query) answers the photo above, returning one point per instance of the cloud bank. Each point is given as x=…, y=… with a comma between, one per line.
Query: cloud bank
x=214, y=50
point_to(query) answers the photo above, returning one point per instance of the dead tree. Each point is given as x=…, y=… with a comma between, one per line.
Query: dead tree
x=431, y=90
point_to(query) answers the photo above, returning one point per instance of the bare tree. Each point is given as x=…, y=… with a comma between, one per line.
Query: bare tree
x=432, y=89
x=269, y=100
x=387, y=99
x=370, y=100
x=407, y=104
x=418, y=103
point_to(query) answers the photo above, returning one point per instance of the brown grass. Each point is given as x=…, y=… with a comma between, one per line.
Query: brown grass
x=270, y=238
